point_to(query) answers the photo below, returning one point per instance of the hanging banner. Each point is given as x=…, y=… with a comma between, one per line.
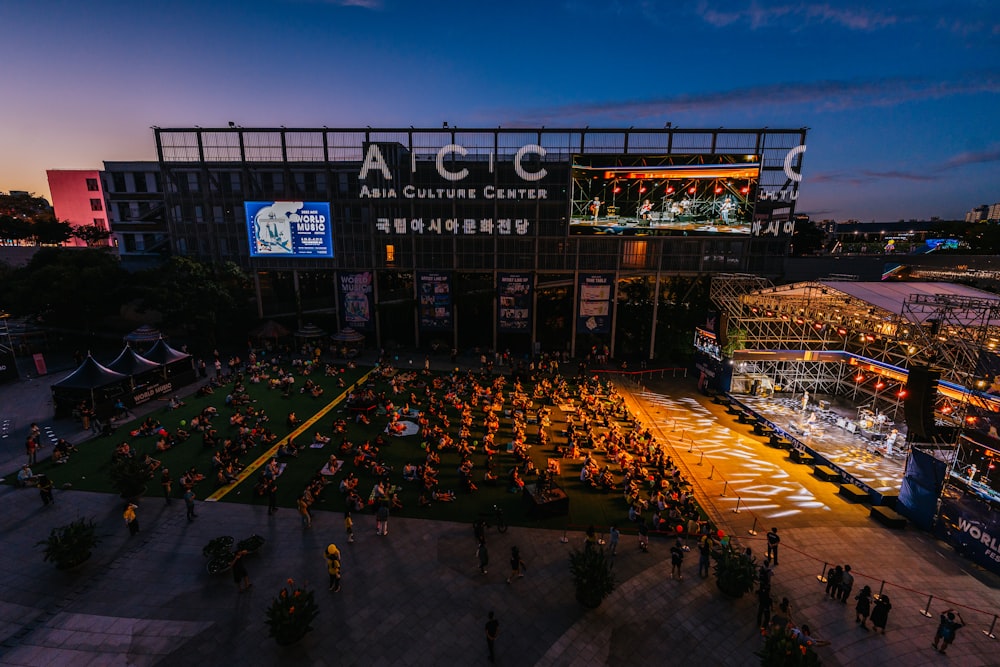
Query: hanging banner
x=971, y=525
x=434, y=300
x=595, y=292
x=514, y=313
x=356, y=299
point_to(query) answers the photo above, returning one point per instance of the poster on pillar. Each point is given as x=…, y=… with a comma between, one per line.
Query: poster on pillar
x=434, y=304
x=356, y=299
x=596, y=292
x=514, y=292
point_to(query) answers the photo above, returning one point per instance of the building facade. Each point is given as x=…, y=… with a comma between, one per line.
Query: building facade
x=419, y=236
x=78, y=198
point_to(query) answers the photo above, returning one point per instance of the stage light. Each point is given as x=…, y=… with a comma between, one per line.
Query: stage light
x=753, y=310
x=799, y=320
x=946, y=410
x=769, y=313
x=642, y=188
x=818, y=326
x=670, y=190
x=784, y=317
x=902, y=393
x=859, y=378
x=971, y=419
x=692, y=190
x=869, y=338
x=842, y=331
x=617, y=189
x=744, y=190
x=879, y=384
x=718, y=190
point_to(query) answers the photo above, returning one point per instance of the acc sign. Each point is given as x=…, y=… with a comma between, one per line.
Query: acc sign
x=375, y=160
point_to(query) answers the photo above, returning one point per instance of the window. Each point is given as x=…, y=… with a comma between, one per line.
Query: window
x=390, y=253
x=124, y=211
x=99, y=222
x=96, y=205
x=118, y=181
x=140, y=181
x=92, y=185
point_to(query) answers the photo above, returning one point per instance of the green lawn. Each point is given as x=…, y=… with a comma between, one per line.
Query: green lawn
x=87, y=469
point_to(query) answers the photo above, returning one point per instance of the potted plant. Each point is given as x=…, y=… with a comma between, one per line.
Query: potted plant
x=735, y=570
x=130, y=475
x=290, y=614
x=70, y=545
x=592, y=576
x=783, y=649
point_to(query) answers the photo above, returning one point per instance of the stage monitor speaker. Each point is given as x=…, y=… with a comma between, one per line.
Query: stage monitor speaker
x=918, y=406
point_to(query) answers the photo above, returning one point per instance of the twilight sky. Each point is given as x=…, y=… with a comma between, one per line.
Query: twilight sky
x=902, y=98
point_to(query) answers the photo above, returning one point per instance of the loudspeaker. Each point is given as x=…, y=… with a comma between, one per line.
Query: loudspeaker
x=918, y=406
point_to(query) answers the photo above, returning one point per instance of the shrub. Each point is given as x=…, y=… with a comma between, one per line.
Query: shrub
x=290, y=614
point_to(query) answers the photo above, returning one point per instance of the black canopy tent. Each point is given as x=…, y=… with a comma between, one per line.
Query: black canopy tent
x=139, y=369
x=144, y=336
x=177, y=367
x=92, y=383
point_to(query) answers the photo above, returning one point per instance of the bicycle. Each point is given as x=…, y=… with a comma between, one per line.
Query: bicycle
x=499, y=521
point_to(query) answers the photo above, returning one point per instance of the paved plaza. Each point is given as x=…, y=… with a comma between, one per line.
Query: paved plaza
x=416, y=596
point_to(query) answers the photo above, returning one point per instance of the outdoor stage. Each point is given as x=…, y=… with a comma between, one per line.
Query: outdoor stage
x=837, y=434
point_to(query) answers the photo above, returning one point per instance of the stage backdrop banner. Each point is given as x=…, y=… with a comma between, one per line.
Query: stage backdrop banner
x=356, y=299
x=971, y=525
x=514, y=314
x=596, y=291
x=434, y=303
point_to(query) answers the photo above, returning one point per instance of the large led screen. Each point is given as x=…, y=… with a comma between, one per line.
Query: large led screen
x=664, y=195
x=289, y=229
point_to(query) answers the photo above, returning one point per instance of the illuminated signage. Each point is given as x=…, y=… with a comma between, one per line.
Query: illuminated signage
x=289, y=229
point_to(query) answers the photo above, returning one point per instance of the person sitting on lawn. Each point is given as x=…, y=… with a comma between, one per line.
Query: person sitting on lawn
x=423, y=500
x=123, y=451
x=354, y=502
x=62, y=450
x=292, y=421
x=25, y=477
x=516, y=483
x=175, y=403
x=409, y=472
x=443, y=496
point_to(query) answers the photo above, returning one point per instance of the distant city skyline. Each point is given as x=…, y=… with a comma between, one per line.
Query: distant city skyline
x=900, y=99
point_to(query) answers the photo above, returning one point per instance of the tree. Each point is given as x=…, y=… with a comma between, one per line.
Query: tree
x=14, y=228
x=47, y=230
x=92, y=235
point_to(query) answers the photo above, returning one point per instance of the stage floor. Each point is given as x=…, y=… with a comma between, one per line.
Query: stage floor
x=863, y=458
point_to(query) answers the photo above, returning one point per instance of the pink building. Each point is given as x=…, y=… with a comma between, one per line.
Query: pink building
x=78, y=198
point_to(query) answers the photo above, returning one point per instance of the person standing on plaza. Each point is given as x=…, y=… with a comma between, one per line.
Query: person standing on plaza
x=880, y=614
x=613, y=536
x=166, y=482
x=492, y=630
x=864, y=606
x=240, y=575
x=846, y=584
x=189, y=504
x=31, y=449
x=349, y=526
x=333, y=566
x=772, y=545
x=45, y=487
x=131, y=519
x=303, y=507
x=704, y=554
x=382, y=519
x=676, y=560
x=272, y=497
x=947, y=627
x=483, y=554
x=643, y=536
x=833, y=577
x=764, y=606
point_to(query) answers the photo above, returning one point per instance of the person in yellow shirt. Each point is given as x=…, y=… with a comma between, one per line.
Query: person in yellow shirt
x=131, y=520
x=333, y=566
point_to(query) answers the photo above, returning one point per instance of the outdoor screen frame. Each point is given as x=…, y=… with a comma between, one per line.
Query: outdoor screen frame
x=308, y=225
x=684, y=194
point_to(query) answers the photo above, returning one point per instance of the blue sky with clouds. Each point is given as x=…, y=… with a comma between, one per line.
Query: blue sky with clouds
x=901, y=98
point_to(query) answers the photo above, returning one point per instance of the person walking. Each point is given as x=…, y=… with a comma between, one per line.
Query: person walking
x=516, y=564
x=382, y=519
x=772, y=545
x=131, y=519
x=704, y=554
x=333, y=566
x=846, y=584
x=31, y=449
x=240, y=575
x=643, y=536
x=613, y=536
x=676, y=560
x=483, y=555
x=947, y=627
x=349, y=526
x=880, y=614
x=492, y=630
x=864, y=606
x=189, y=504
